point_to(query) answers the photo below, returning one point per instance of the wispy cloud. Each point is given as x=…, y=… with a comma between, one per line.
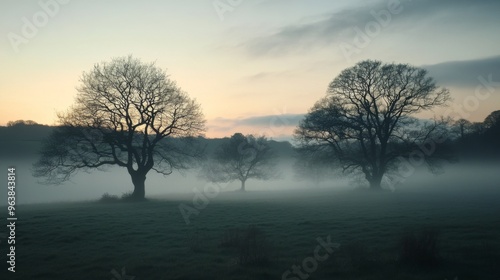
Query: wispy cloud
x=465, y=73
x=272, y=120
x=337, y=26
x=268, y=120
x=462, y=74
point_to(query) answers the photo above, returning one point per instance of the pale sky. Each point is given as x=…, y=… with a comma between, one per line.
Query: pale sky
x=254, y=66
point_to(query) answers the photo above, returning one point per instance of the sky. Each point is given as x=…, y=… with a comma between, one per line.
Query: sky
x=254, y=66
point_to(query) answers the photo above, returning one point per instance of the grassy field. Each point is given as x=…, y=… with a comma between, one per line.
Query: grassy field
x=151, y=240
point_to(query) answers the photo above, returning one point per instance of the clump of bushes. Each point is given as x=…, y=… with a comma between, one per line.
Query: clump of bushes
x=421, y=249
x=250, y=243
x=108, y=198
x=128, y=196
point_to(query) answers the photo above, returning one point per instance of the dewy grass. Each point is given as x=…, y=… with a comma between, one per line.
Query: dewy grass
x=151, y=240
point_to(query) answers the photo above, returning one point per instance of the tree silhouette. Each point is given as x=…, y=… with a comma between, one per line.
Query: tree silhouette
x=492, y=130
x=366, y=118
x=21, y=123
x=241, y=158
x=462, y=128
x=492, y=120
x=128, y=114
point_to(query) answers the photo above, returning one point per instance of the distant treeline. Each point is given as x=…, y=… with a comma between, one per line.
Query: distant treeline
x=24, y=139
x=21, y=130
x=467, y=139
x=478, y=139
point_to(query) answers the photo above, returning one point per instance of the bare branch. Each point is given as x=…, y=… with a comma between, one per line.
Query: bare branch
x=365, y=117
x=124, y=113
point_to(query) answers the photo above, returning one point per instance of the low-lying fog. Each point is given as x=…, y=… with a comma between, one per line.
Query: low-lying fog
x=473, y=177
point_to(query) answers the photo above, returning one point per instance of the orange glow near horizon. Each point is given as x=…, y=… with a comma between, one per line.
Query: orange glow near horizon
x=247, y=63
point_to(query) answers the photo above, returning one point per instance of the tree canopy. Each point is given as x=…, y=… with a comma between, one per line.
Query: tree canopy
x=367, y=118
x=129, y=114
x=241, y=158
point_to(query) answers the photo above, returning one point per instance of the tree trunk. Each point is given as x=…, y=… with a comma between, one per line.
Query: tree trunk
x=138, y=180
x=375, y=182
x=242, y=185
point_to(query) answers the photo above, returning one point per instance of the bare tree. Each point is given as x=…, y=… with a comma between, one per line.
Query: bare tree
x=366, y=118
x=241, y=158
x=128, y=114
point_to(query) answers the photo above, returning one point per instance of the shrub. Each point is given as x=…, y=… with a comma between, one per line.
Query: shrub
x=108, y=198
x=128, y=196
x=420, y=249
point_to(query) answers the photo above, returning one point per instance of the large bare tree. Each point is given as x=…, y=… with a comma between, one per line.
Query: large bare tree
x=128, y=114
x=366, y=119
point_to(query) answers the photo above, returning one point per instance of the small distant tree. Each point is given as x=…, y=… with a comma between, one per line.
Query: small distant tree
x=462, y=128
x=127, y=114
x=241, y=158
x=21, y=123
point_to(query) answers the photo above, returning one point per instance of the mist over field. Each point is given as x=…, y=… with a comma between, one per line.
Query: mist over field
x=442, y=223
x=463, y=178
x=116, y=181
x=240, y=140
x=470, y=176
